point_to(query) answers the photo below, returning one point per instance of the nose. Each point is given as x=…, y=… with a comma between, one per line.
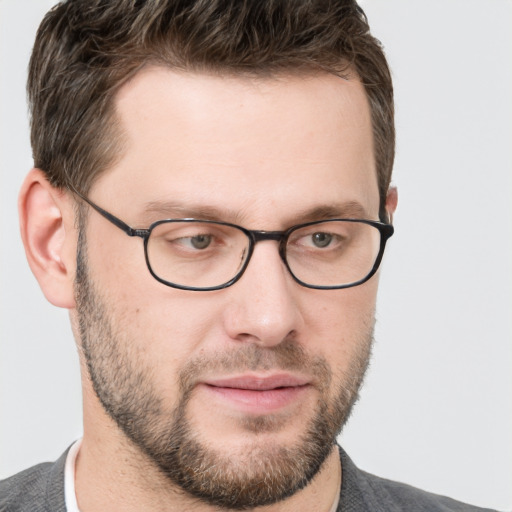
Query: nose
x=263, y=306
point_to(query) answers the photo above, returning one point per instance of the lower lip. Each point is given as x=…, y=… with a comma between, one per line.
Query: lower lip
x=258, y=401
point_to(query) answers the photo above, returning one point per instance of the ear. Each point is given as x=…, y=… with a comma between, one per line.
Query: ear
x=391, y=202
x=48, y=231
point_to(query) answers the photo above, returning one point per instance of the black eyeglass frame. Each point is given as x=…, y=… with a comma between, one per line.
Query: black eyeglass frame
x=254, y=236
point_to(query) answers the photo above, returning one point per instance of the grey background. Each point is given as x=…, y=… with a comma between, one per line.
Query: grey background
x=436, y=409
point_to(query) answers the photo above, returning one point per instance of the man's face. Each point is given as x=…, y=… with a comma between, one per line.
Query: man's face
x=237, y=394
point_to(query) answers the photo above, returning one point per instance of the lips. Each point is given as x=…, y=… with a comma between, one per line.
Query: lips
x=259, y=383
x=257, y=394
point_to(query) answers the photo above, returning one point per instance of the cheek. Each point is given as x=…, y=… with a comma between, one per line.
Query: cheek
x=341, y=323
x=116, y=265
x=166, y=327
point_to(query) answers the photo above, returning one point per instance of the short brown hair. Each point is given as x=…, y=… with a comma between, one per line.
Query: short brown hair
x=86, y=49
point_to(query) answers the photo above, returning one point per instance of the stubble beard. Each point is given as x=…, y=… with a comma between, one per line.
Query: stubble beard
x=261, y=474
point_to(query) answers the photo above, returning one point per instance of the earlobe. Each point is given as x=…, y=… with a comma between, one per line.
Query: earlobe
x=49, y=236
x=391, y=202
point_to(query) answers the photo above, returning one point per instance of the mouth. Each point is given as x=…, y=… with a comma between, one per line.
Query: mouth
x=257, y=394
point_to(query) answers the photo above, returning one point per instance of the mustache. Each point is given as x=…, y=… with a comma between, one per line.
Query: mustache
x=288, y=356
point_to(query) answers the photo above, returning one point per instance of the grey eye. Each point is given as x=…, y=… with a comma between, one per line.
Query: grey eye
x=200, y=241
x=321, y=239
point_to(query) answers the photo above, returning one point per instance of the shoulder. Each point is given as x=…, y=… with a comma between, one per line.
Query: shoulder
x=37, y=489
x=28, y=486
x=405, y=497
x=361, y=491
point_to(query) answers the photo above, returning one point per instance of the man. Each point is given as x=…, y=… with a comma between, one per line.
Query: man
x=211, y=202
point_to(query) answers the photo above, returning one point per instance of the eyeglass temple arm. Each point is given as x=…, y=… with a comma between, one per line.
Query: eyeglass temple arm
x=112, y=218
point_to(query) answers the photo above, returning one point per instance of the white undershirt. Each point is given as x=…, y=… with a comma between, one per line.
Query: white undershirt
x=69, y=478
x=336, y=498
x=69, y=481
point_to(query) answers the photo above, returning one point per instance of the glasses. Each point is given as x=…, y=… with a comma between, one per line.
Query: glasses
x=203, y=255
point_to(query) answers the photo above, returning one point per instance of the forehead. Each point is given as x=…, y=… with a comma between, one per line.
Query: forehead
x=242, y=143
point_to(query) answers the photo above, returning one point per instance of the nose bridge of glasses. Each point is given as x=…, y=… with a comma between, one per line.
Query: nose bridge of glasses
x=260, y=236
x=276, y=236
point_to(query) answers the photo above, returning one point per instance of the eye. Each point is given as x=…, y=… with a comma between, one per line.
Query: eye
x=321, y=239
x=200, y=241
x=197, y=241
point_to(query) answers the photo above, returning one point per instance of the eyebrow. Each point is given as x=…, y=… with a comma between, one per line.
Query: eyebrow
x=348, y=210
x=157, y=210
x=177, y=210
